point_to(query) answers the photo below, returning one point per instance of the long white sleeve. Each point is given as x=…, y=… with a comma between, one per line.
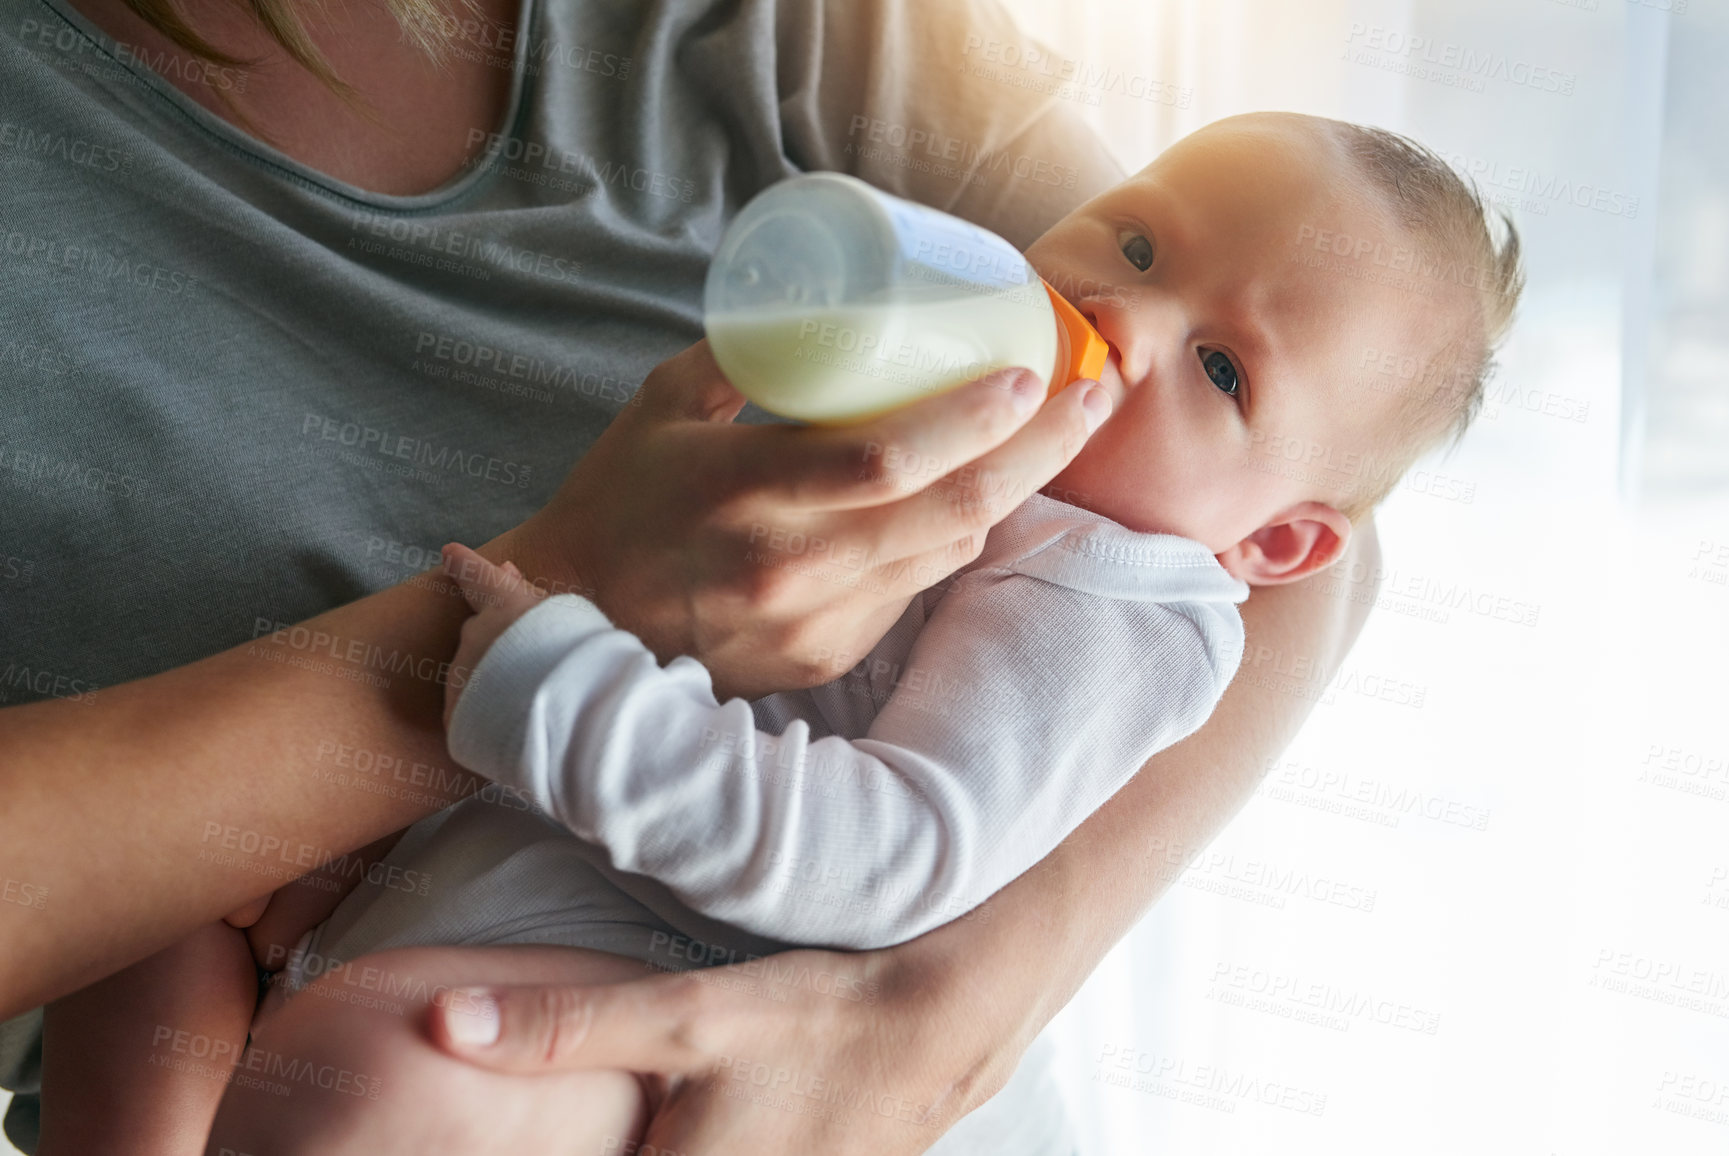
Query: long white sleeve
x=1023, y=705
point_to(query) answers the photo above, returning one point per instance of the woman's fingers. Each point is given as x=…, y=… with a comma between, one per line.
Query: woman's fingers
x=688, y=386
x=873, y=1027
x=1004, y=478
x=881, y=461
x=951, y=517
x=645, y=1026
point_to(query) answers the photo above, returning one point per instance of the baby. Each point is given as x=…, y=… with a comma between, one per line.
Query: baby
x=1243, y=281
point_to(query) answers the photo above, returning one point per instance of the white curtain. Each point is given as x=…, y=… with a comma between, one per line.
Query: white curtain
x=1486, y=911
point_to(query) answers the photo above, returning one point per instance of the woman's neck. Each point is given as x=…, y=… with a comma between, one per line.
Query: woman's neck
x=416, y=124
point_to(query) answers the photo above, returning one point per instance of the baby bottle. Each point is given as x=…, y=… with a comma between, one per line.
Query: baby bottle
x=831, y=301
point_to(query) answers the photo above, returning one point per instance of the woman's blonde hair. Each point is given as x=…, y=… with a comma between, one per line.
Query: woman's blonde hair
x=427, y=24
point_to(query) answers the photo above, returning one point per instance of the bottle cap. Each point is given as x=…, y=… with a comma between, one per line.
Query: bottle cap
x=1081, y=352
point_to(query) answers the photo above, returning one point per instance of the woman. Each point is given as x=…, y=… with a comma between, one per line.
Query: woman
x=249, y=384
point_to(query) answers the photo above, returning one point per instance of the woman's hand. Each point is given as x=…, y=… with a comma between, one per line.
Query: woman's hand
x=809, y=1051
x=778, y=555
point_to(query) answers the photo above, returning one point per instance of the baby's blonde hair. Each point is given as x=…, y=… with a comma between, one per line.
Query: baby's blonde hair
x=1456, y=238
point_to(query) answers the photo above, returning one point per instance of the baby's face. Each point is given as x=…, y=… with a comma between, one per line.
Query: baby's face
x=1225, y=350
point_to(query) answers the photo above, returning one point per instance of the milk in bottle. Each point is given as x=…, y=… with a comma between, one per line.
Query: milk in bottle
x=831, y=301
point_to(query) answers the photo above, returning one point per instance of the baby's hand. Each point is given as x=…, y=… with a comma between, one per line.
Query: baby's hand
x=498, y=595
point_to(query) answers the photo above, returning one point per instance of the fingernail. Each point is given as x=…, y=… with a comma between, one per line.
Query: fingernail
x=472, y=1017
x=1027, y=391
x=1096, y=406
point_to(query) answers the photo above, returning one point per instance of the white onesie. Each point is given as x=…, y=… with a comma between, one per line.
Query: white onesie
x=999, y=712
x=996, y=716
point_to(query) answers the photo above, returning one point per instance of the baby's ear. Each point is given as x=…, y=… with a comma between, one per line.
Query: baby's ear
x=1308, y=537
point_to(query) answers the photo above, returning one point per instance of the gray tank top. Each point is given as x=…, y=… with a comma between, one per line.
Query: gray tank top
x=235, y=392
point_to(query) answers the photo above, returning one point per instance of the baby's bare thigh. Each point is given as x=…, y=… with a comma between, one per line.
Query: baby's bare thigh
x=346, y=1066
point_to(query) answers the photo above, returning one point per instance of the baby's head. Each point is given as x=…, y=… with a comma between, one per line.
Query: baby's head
x=1253, y=282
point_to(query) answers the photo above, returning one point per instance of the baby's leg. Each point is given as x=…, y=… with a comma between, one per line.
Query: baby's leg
x=345, y=1066
x=135, y=1064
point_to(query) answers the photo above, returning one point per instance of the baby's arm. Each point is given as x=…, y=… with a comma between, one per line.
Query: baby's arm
x=1022, y=708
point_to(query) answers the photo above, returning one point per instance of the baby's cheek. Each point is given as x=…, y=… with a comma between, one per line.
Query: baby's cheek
x=1107, y=480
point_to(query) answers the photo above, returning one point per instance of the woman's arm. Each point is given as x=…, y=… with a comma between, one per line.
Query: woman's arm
x=174, y=799
x=952, y=1012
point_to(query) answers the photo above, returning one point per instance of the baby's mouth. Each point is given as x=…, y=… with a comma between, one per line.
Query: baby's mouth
x=1111, y=376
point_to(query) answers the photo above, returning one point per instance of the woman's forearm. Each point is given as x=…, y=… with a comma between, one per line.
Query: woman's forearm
x=1092, y=889
x=166, y=802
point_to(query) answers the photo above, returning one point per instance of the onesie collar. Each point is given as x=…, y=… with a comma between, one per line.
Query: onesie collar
x=1065, y=545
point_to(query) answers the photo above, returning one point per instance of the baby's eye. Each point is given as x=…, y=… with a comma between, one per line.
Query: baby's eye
x=1220, y=370
x=1137, y=249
